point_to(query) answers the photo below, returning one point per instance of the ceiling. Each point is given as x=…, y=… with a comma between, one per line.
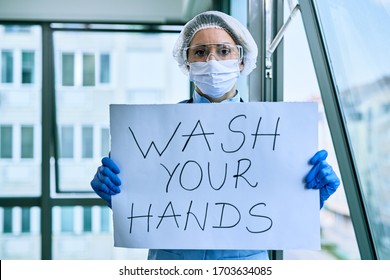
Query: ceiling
x=113, y=11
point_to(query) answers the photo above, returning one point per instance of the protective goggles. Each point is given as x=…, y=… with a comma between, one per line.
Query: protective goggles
x=220, y=51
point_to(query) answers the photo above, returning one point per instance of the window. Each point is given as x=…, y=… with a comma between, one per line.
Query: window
x=105, y=142
x=68, y=69
x=87, y=219
x=7, y=220
x=355, y=34
x=27, y=149
x=104, y=219
x=85, y=69
x=6, y=141
x=86, y=59
x=20, y=140
x=16, y=220
x=104, y=68
x=7, y=67
x=87, y=142
x=67, y=142
x=88, y=70
x=28, y=65
x=67, y=220
x=300, y=84
x=26, y=220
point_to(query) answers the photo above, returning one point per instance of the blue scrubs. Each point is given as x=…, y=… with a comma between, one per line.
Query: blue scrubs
x=208, y=254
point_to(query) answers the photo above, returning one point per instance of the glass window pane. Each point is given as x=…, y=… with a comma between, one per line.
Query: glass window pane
x=7, y=66
x=300, y=84
x=67, y=142
x=26, y=220
x=357, y=41
x=105, y=219
x=88, y=70
x=7, y=220
x=85, y=233
x=105, y=142
x=157, y=78
x=6, y=141
x=87, y=219
x=104, y=68
x=20, y=233
x=27, y=142
x=68, y=69
x=28, y=65
x=87, y=146
x=20, y=110
x=67, y=219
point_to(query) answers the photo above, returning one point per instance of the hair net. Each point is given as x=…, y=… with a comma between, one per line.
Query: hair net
x=215, y=19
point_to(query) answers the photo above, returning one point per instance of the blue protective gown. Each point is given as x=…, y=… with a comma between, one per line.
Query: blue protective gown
x=208, y=254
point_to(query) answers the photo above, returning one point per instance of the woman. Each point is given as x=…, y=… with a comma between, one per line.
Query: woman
x=214, y=49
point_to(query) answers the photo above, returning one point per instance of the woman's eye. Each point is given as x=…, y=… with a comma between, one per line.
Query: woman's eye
x=224, y=51
x=199, y=52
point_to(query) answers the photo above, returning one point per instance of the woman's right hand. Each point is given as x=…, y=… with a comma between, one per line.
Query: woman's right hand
x=106, y=181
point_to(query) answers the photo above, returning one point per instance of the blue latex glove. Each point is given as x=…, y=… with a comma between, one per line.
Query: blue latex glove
x=322, y=177
x=106, y=181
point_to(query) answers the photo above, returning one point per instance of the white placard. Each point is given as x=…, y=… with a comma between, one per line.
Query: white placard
x=215, y=176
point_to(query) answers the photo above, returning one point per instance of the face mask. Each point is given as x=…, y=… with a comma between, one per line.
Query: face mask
x=215, y=78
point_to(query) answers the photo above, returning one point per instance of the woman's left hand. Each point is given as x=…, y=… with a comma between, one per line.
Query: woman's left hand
x=322, y=177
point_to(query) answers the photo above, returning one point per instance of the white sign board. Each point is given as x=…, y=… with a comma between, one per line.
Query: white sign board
x=215, y=176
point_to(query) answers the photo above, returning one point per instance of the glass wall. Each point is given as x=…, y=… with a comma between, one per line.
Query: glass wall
x=94, y=70
x=300, y=84
x=20, y=110
x=20, y=137
x=357, y=39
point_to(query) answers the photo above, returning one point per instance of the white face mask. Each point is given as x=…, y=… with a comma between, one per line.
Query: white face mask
x=215, y=78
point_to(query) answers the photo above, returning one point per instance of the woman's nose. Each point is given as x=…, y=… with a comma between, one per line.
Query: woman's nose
x=211, y=56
